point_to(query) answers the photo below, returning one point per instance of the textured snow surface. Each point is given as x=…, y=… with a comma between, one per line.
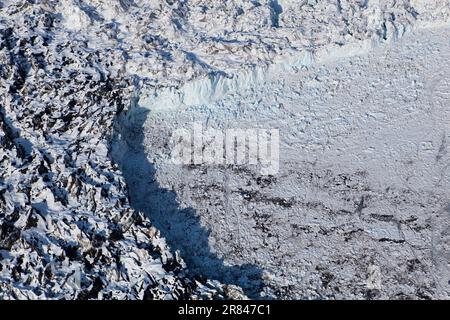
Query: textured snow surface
x=66, y=227
x=364, y=181
x=72, y=73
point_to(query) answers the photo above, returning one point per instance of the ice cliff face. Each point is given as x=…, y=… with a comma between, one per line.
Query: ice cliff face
x=67, y=68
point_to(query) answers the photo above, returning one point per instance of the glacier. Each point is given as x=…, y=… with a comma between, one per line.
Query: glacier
x=92, y=89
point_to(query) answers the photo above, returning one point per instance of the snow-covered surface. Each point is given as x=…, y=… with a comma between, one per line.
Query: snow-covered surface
x=66, y=226
x=331, y=74
x=364, y=179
